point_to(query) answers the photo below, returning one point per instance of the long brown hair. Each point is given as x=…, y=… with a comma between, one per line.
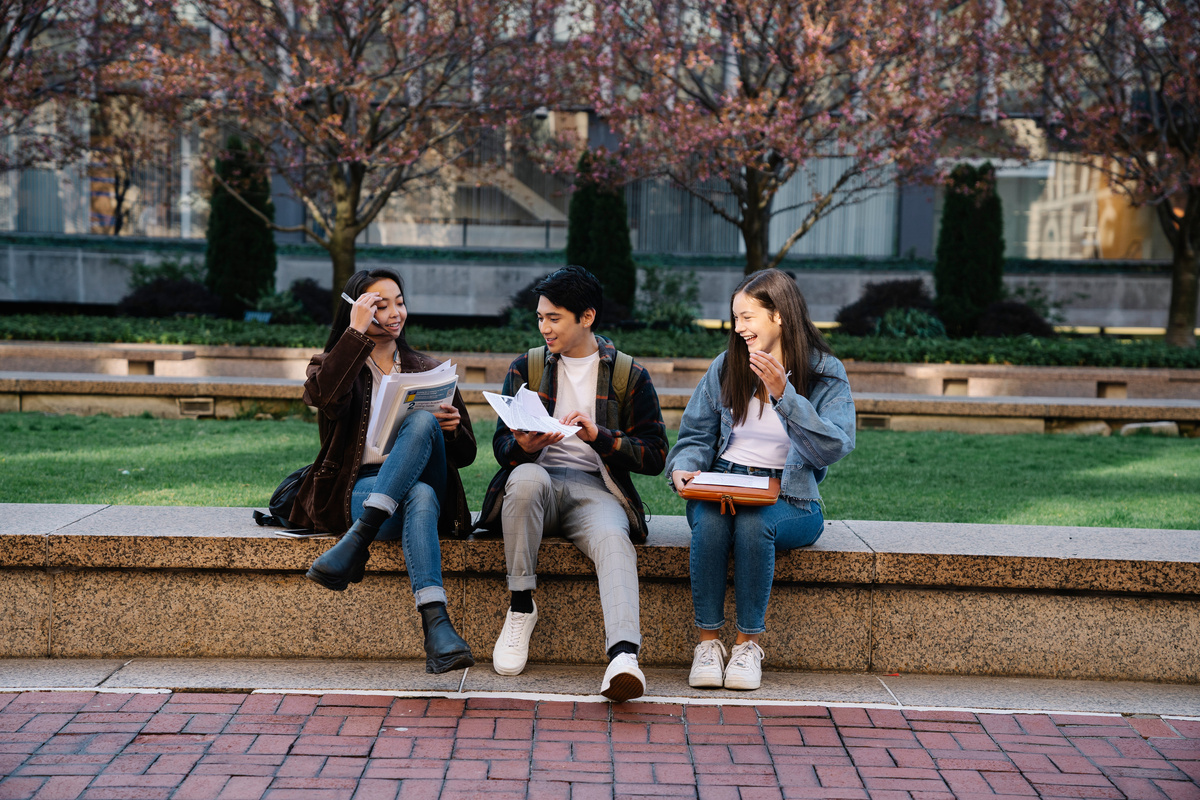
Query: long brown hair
x=777, y=292
x=355, y=286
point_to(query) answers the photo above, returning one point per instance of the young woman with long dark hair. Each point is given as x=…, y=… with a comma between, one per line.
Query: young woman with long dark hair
x=409, y=494
x=776, y=403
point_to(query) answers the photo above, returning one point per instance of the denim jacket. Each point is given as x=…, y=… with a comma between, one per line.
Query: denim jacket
x=820, y=428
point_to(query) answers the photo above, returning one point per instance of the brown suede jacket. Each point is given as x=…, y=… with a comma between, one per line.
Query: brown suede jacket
x=339, y=386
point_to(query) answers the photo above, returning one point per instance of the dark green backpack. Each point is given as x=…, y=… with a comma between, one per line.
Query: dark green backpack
x=535, y=360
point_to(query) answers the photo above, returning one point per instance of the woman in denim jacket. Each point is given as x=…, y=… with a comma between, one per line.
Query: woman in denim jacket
x=775, y=403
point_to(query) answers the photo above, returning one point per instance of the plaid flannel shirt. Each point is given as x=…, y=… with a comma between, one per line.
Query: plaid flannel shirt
x=631, y=439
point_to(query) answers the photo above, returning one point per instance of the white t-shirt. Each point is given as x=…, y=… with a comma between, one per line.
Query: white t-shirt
x=760, y=441
x=576, y=392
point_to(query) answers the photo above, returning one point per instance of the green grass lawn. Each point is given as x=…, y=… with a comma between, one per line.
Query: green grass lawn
x=1138, y=482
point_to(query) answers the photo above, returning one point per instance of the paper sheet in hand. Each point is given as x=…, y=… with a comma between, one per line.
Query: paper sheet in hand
x=729, y=479
x=525, y=412
x=402, y=392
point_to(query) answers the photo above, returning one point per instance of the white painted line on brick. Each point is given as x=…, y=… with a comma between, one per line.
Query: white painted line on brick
x=585, y=698
x=694, y=701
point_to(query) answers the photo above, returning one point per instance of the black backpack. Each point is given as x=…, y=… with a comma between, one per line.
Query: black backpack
x=282, y=501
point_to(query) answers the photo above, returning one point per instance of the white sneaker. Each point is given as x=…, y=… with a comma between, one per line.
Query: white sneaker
x=512, y=648
x=745, y=667
x=708, y=665
x=623, y=680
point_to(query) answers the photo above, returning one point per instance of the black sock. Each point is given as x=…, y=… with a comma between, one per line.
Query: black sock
x=622, y=647
x=373, y=517
x=522, y=602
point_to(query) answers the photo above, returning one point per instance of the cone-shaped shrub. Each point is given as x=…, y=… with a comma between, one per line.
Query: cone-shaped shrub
x=240, y=260
x=968, y=275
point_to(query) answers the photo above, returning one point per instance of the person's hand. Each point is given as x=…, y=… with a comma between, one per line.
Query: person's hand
x=769, y=371
x=680, y=477
x=448, y=418
x=533, y=441
x=587, y=429
x=362, y=313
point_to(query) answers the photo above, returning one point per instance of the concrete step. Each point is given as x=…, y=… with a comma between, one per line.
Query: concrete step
x=869, y=596
x=973, y=380
x=174, y=397
x=581, y=683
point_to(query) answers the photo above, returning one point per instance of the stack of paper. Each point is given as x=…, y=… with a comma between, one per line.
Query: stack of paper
x=730, y=479
x=525, y=412
x=402, y=392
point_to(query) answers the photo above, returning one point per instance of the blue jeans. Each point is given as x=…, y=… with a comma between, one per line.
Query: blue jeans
x=411, y=481
x=753, y=535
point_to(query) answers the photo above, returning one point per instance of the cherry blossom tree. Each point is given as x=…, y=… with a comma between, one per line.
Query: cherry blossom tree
x=51, y=54
x=732, y=99
x=1119, y=80
x=349, y=101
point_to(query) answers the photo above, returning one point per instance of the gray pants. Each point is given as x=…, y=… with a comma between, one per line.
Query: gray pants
x=540, y=501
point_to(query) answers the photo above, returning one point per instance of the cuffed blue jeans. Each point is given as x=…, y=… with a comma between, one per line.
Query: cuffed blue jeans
x=752, y=536
x=409, y=484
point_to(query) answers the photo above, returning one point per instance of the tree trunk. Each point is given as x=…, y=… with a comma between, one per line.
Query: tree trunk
x=756, y=222
x=1185, y=283
x=1184, y=236
x=342, y=253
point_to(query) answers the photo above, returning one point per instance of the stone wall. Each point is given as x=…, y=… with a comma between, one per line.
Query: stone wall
x=482, y=287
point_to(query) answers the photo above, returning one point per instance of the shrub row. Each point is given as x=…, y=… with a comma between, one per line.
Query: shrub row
x=208, y=331
x=1023, y=350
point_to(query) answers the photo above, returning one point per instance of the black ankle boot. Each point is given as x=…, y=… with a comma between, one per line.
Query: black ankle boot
x=444, y=648
x=346, y=561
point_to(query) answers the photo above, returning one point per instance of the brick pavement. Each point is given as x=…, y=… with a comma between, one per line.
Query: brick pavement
x=192, y=746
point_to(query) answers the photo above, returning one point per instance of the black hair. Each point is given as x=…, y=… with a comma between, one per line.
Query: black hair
x=572, y=288
x=354, y=287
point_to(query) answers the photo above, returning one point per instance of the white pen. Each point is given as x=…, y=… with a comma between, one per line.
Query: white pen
x=349, y=300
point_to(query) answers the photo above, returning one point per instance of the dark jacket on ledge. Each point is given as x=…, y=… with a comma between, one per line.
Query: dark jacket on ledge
x=339, y=386
x=632, y=436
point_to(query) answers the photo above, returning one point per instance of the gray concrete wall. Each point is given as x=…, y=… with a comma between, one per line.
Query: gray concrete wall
x=482, y=288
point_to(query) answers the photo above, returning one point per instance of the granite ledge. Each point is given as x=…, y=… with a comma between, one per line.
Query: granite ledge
x=1033, y=556
x=852, y=552
x=1045, y=407
x=150, y=385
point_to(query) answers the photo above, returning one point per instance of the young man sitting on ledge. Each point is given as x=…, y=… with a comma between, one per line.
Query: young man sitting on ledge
x=577, y=486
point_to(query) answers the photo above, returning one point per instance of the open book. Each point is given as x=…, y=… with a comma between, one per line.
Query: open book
x=402, y=392
x=525, y=412
x=730, y=479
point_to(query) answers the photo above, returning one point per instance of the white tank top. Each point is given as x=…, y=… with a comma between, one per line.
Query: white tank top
x=760, y=441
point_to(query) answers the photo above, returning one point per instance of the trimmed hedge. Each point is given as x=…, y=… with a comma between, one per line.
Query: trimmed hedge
x=168, y=330
x=208, y=331
x=1019, y=350
x=701, y=343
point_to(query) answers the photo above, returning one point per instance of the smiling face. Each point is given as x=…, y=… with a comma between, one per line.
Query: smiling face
x=390, y=311
x=759, y=328
x=564, y=333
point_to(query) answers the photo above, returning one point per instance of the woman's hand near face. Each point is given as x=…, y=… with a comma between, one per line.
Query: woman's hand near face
x=680, y=477
x=448, y=418
x=362, y=313
x=770, y=371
